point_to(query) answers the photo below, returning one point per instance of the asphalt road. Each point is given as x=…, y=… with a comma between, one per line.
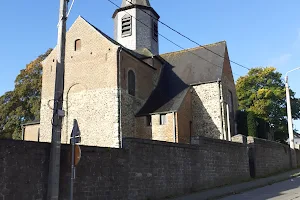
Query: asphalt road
x=287, y=190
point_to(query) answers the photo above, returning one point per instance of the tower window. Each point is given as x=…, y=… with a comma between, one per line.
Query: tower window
x=126, y=26
x=163, y=119
x=77, y=45
x=131, y=83
x=155, y=30
x=230, y=101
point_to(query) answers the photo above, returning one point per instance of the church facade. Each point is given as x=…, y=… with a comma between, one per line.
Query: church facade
x=123, y=87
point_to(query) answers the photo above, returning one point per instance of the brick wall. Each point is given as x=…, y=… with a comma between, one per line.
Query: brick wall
x=268, y=157
x=147, y=169
x=297, y=151
x=144, y=169
x=23, y=170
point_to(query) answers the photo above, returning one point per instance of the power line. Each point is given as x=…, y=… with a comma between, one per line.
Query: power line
x=169, y=39
x=191, y=40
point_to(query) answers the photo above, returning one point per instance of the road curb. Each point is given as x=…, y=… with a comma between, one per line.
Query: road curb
x=221, y=192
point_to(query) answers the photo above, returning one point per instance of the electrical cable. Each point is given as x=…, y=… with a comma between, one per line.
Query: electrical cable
x=169, y=39
x=191, y=40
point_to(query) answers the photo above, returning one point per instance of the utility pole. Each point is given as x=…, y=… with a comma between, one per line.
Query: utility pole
x=289, y=114
x=58, y=114
x=289, y=109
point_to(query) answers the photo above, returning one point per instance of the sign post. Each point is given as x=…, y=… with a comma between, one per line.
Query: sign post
x=76, y=153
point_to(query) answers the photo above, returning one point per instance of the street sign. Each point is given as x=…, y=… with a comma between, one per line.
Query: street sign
x=77, y=155
x=75, y=131
x=75, y=134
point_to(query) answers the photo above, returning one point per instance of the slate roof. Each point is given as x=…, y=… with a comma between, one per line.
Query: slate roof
x=126, y=3
x=167, y=96
x=182, y=69
x=139, y=4
x=31, y=123
x=136, y=54
x=192, y=69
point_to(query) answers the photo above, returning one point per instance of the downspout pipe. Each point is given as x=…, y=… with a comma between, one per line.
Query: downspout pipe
x=120, y=49
x=228, y=122
x=220, y=108
x=22, y=126
x=174, y=122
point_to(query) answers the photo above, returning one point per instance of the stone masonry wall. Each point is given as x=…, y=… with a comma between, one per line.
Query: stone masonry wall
x=90, y=93
x=146, y=78
x=144, y=169
x=206, y=111
x=267, y=157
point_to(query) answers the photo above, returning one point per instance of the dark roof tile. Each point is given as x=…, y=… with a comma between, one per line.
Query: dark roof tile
x=167, y=96
x=182, y=69
x=192, y=69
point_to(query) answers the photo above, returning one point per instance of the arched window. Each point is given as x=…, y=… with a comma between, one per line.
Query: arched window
x=77, y=45
x=131, y=83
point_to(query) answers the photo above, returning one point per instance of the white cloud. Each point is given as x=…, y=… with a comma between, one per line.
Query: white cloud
x=281, y=60
x=285, y=58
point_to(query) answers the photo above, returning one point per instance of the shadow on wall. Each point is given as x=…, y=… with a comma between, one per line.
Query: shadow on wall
x=167, y=96
x=203, y=123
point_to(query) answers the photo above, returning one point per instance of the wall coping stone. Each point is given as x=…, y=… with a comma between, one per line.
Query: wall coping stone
x=257, y=141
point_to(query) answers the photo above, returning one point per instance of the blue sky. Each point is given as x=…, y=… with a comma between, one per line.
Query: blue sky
x=258, y=33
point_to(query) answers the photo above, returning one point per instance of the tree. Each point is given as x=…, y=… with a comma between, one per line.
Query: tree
x=251, y=124
x=23, y=103
x=241, y=122
x=262, y=91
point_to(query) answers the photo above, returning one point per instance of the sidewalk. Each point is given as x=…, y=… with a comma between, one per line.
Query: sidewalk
x=238, y=188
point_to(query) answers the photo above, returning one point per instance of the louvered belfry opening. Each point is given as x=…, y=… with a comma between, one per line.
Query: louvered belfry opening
x=126, y=26
x=155, y=30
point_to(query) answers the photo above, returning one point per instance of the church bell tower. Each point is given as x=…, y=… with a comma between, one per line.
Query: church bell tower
x=136, y=26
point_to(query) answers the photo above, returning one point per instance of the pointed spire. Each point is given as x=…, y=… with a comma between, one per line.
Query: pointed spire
x=126, y=3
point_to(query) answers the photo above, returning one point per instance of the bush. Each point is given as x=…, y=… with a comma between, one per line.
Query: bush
x=251, y=122
x=241, y=122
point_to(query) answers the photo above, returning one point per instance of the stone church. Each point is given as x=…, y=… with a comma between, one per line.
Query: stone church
x=123, y=87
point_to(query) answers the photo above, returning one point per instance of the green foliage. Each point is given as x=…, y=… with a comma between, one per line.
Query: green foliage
x=262, y=92
x=23, y=103
x=251, y=124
